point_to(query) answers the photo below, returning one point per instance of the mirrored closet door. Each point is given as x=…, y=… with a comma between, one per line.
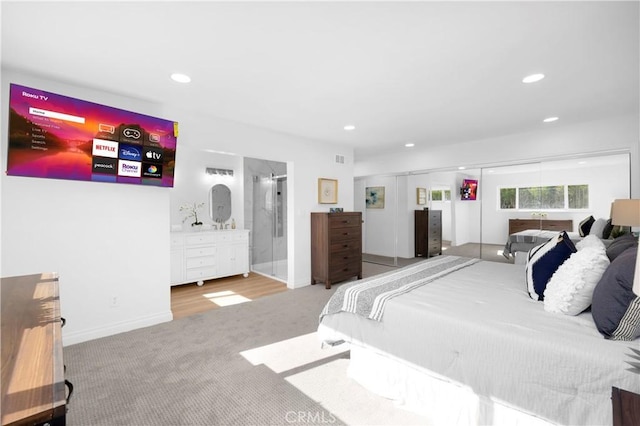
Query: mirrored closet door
x=479, y=209
x=377, y=198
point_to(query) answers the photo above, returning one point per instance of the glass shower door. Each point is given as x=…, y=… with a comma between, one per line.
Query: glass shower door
x=269, y=233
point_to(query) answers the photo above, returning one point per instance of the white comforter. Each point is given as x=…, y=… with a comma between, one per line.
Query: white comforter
x=478, y=327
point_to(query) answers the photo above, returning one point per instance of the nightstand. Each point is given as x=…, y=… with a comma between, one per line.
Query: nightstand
x=626, y=407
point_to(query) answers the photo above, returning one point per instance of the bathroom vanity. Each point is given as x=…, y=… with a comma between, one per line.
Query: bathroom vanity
x=207, y=254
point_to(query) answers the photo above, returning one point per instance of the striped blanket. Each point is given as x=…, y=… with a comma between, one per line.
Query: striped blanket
x=369, y=297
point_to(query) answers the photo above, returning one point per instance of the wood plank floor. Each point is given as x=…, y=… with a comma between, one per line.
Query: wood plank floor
x=189, y=299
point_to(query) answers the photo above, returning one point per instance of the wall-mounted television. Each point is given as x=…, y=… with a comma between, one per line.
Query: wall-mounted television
x=59, y=137
x=469, y=189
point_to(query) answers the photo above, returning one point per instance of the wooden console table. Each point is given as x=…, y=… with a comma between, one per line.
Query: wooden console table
x=517, y=225
x=33, y=388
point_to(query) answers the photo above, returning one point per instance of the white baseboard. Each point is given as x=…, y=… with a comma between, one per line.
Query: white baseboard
x=114, y=328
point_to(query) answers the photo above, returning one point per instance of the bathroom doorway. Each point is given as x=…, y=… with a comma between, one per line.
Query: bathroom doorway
x=266, y=216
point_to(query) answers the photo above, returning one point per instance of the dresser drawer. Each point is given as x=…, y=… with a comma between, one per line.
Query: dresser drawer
x=348, y=255
x=348, y=244
x=344, y=234
x=198, y=262
x=240, y=236
x=201, y=251
x=204, y=238
x=201, y=273
x=342, y=272
x=342, y=221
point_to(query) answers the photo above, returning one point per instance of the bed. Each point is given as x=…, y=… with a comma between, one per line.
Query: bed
x=462, y=343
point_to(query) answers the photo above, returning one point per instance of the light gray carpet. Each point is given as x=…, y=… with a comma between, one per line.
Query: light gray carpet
x=189, y=371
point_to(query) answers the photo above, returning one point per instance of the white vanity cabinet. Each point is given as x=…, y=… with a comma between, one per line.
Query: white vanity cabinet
x=204, y=255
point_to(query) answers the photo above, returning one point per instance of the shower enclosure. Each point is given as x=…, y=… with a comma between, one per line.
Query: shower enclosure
x=266, y=211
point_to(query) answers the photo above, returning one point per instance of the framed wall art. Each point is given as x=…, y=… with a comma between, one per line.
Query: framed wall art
x=421, y=196
x=327, y=191
x=375, y=197
x=469, y=189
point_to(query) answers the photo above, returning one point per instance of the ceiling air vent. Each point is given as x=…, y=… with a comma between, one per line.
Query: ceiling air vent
x=339, y=159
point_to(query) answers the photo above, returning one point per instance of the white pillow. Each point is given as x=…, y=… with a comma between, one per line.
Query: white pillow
x=590, y=241
x=598, y=227
x=570, y=289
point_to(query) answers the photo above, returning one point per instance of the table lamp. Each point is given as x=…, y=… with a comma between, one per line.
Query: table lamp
x=627, y=213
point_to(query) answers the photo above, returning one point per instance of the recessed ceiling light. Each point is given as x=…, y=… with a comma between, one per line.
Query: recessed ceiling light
x=533, y=78
x=349, y=127
x=180, y=78
x=461, y=168
x=550, y=119
x=409, y=145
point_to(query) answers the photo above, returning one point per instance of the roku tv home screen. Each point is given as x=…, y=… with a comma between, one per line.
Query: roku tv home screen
x=55, y=136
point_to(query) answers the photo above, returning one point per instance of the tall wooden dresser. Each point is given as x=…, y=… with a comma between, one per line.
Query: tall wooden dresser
x=428, y=233
x=336, y=247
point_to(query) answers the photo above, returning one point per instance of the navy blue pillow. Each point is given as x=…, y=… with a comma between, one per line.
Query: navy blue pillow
x=615, y=308
x=585, y=226
x=544, y=260
x=606, y=232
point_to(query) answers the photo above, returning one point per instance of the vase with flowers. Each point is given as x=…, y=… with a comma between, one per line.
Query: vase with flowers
x=191, y=211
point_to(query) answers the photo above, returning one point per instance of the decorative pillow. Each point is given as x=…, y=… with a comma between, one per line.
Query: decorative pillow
x=590, y=241
x=585, y=226
x=615, y=308
x=606, y=232
x=570, y=289
x=620, y=244
x=543, y=260
x=598, y=227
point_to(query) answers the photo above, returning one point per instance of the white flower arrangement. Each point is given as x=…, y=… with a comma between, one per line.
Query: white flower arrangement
x=192, y=211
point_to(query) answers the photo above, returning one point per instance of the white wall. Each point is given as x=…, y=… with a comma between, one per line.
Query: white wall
x=107, y=241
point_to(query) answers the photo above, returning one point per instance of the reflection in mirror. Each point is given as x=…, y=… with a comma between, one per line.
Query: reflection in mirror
x=220, y=203
x=548, y=196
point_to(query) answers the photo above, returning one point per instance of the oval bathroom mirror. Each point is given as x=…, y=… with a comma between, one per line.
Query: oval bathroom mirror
x=220, y=203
